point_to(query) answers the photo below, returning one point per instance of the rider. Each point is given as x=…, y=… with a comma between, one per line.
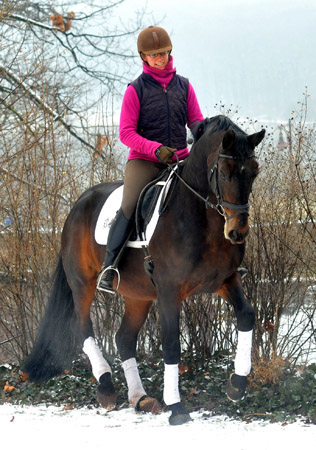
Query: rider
x=156, y=108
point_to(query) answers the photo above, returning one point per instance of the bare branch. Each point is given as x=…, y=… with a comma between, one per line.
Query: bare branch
x=34, y=97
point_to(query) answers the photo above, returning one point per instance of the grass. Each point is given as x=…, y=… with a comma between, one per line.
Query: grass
x=286, y=397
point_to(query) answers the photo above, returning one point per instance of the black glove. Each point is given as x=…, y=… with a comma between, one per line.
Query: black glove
x=164, y=154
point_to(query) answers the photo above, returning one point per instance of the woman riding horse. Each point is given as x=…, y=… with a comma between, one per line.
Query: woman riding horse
x=197, y=246
x=155, y=110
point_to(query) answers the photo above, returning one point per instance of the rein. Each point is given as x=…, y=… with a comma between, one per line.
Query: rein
x=219, y=206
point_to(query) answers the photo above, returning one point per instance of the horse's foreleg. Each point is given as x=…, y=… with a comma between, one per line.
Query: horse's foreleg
x=169, y=313
x=126, y=341
x=232, y=292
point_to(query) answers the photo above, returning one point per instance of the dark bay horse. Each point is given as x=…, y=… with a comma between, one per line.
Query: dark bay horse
x=198, y=245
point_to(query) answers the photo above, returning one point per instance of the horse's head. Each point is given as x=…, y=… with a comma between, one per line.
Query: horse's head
x=231, y=177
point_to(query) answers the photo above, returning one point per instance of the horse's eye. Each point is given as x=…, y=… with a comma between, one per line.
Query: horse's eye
x=224, y=176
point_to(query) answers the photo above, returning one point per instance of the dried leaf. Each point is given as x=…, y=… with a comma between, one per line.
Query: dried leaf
x=23, y=377
x=68, y=407
x=183, y=369
x=8, y=388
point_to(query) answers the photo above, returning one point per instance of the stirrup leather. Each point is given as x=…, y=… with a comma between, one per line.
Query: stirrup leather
x=100, y=288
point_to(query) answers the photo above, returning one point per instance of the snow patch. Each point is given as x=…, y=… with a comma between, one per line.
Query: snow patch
x=36, y=427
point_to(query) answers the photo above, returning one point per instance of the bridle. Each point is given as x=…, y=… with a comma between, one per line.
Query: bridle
x=220, y=202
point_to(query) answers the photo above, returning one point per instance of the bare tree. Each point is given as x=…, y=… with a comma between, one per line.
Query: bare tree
x=60, y=59
x=281, y=247
x=59, y=73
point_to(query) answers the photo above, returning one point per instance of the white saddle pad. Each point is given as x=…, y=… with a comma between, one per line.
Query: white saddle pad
x=113, y=204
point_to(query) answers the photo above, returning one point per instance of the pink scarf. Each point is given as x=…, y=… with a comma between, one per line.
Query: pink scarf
x=162, y=76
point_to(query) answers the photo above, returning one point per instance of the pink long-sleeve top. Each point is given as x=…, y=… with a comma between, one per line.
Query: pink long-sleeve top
x=140, y=147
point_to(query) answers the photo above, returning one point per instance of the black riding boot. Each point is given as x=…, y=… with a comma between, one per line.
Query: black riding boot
x=118, y=235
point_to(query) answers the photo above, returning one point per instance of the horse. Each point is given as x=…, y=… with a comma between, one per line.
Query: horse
x=197, y=246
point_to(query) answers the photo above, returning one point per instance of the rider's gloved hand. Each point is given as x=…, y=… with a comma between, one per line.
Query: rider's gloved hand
x=164, y=154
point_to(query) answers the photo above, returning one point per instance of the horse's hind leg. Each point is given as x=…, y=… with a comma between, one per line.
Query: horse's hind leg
x=232, y=292
x=126, y=340
x=83, y=296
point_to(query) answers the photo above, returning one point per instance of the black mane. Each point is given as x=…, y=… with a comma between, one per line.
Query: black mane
x=196, y=163
x=212, y=124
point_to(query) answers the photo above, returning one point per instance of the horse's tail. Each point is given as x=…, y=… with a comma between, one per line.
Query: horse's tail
x=55, y=344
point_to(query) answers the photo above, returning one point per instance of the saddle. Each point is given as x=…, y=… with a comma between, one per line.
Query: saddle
x=147, y=202
x=153, y=201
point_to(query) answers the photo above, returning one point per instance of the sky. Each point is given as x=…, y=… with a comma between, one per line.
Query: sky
x=256, y=55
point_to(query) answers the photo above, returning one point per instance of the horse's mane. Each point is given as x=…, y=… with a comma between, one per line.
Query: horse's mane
x=196, y=162
x=213, y=124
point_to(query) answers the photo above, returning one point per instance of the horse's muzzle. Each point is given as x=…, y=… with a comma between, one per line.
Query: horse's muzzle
x=235, y=233
x=237, y=238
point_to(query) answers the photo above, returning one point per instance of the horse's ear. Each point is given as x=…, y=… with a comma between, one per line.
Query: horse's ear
x=199, y=128
x=255, y=139
x=228, y=139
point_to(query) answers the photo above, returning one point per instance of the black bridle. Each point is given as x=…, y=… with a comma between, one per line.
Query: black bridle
x=220, y=202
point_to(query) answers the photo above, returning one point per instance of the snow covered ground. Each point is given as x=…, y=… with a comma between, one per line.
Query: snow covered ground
x=40, y=427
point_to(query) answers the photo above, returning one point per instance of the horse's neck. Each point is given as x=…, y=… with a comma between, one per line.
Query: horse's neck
x=198, y=215
x=190, y=204
x=195, y=172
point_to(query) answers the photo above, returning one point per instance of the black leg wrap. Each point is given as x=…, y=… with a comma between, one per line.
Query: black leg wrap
x=179, y=415
x=236, y=387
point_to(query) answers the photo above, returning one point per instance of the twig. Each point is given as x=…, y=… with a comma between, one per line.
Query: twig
x=9, y=76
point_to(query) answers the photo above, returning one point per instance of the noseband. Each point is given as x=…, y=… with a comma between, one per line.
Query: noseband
x=219, y=207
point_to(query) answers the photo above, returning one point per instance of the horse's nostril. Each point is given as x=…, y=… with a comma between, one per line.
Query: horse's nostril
x=233, y=235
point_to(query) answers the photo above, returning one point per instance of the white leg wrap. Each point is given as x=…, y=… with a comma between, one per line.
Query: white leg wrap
x=134, y=383
x=171, y=384
x=243, y=354
x=98, y=363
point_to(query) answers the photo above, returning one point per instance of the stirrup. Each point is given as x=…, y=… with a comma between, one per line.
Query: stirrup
x=110, y=291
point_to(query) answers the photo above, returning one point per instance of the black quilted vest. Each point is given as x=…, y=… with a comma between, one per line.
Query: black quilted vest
x=163, y=113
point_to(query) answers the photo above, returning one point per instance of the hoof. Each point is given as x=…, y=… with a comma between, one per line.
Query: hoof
x=106, y=393
x=236, y=387
x=179, y=415
x=148, y=405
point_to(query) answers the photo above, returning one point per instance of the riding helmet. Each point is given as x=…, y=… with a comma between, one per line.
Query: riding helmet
x=153, y=40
